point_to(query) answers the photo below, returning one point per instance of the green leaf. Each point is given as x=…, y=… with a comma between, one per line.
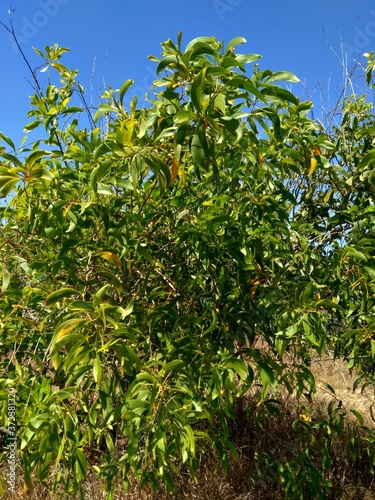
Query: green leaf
x=8, y=141
x=267, y=377
x=131, y=355
x=289, y=332
x=80, y=465
x=196, y=89
x=190, y=439
x=243, y=82
x=239, y=367
x=197, y=152
x=160, y=168
x=100, y=294
x=218, y=71
x=32, y=125
x=358, y=416
x=173, y=62
x=174, y=365
x=367, y=160
x=7, y=184
x=146, y=377
x=67, y=326
x=32, y=428
x=128, y=310
x=65, y=340
x=34, y=157
x=201, y=39
x=309, y=331
x=104, y=108
x=280, y=94
x=98, y=173
x=247, y=58
x=356, y=254
x=328, y=304
x=72, y=110
x=219, y=103
x=307, y=293
x=110, y=444
x=199, y=49
x=57, y=295
x=104, y=189
x=283, y=76
x=6, y=278
x=330, y=388
x=12, y=159
x=63, y=394
x=138, y=406
x=97, y=371
x=238, y=40
x=41, y=173
x=124, y=87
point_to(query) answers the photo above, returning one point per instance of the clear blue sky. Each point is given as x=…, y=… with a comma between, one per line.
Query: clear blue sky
x=116, y=36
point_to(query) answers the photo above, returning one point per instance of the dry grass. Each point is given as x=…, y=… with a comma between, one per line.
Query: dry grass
x=273, y=435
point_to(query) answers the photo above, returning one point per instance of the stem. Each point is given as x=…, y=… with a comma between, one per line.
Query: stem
x=147, y=197
x=38, y=87
x=11, y=31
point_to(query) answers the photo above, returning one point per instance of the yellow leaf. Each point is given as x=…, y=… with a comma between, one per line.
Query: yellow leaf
x=125, y=132
x=327, y=196
x=313, y=165
x=67, y=326
x=174, y=170
x=111, y=257
x=253, y=287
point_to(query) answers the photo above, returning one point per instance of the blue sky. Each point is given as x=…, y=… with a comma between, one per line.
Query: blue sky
x=115, y=38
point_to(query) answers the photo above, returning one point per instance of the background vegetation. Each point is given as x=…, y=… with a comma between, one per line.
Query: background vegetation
x=170, y=271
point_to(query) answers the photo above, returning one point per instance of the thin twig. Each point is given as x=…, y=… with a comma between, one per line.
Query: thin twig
x=12, y=32
x=147, y=197
x=38, y=87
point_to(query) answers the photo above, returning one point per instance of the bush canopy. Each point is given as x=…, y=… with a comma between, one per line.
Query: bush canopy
x=158, y=261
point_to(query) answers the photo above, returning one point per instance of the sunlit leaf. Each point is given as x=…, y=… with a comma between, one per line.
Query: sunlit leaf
x=313, y=165
x=196, y=89
x=5, y=278
x=128, y=310
x=124, y=87
x=238, y=40
x=110, y=257
x=67, y=326
x=80, y=464
x=174, y=170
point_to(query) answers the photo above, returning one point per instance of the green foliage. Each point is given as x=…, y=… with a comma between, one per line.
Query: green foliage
x=144, y=256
